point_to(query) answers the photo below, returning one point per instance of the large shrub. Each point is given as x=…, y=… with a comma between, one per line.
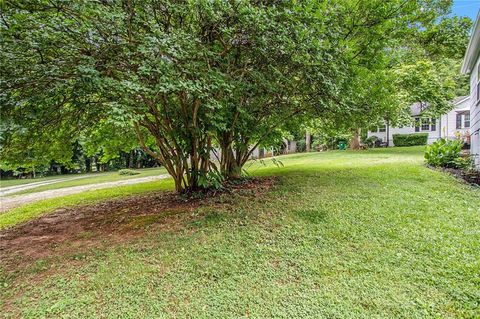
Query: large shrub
x=301, y=145
x=410, y=139
x=316, y=144
x=372, y=141
x=444, y=153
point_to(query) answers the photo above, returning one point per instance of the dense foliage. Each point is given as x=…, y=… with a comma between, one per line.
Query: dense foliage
x=199, y=84
x=419, y=65
x=444, y=153
x=410, y=139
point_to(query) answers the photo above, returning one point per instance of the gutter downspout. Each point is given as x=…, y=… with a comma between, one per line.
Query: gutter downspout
x=440, y=127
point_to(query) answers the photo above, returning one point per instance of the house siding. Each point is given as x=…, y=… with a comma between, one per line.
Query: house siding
x=432, y=135
x=471, y=66
x=446, y=126
x=475, y=114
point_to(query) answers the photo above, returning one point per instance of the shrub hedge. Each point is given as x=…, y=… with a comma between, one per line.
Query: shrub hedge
x=410, y=139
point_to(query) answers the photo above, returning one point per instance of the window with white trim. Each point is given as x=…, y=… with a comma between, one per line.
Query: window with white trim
x=376, y=129
x=463, y=120
x=425, y=125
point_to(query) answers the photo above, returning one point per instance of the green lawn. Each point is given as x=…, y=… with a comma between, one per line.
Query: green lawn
x=86, y=179
x=371, y=234
x=35, y=209
x=15, y=182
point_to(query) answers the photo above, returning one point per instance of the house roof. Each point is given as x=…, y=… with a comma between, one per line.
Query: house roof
x=416, y=109
x=460, y=99
x=457, y=102
x=473, y=49
x=460, y=104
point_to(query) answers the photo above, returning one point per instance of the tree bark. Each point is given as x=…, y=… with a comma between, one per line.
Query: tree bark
x=308, y=141
x=355, y=141
x=88, y=164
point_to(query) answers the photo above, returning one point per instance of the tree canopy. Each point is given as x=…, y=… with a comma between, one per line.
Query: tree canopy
x=199, y=84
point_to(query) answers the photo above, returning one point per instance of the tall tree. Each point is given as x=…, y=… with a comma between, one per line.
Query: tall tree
x=186, y=77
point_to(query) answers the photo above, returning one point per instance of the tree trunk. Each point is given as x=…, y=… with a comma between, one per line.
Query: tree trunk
x=229, y=163
x=88, y=164
x=308, y=141
x=355, y=141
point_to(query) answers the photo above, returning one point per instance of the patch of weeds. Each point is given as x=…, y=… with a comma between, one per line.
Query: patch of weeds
x=86, y=234
x=79, y=256
x=127, y=171
x=143, y=221
x=209, y=219
x=311, y=215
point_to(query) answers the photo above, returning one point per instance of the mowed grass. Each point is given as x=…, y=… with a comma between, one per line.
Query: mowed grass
x=35, y=209
x=370, y=234
x=24, y=181
x=86, y=179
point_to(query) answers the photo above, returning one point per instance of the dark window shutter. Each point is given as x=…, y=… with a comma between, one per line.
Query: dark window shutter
x=459, y=121
x=478, y=90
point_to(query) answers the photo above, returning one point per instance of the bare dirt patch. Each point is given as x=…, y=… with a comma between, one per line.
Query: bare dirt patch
x=77, y=229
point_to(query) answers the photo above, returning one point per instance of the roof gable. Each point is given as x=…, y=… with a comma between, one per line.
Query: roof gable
x=473, y=49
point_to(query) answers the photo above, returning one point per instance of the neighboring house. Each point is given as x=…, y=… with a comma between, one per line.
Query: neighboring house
x=471, y=65
x=289, y=146
x=454, y=124
x=262, y=152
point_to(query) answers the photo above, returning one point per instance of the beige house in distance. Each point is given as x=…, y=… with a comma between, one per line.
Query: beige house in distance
x=452, y=125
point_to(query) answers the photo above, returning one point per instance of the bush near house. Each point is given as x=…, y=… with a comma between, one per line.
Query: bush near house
x=444, y=153
x=410, y=139
x=372, y=141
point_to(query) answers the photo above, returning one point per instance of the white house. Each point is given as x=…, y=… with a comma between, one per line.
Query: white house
x=471, y=65
x=454, y=124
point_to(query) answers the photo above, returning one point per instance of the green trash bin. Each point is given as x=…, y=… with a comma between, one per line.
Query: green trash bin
x=342, y=145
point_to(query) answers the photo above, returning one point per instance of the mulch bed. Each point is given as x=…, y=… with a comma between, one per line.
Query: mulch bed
x=470, y=177
x=114, y=221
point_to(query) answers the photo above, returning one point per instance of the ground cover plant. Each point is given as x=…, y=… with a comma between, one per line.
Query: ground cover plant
x=370, y=234
x=444, y=153
x=447, y=155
